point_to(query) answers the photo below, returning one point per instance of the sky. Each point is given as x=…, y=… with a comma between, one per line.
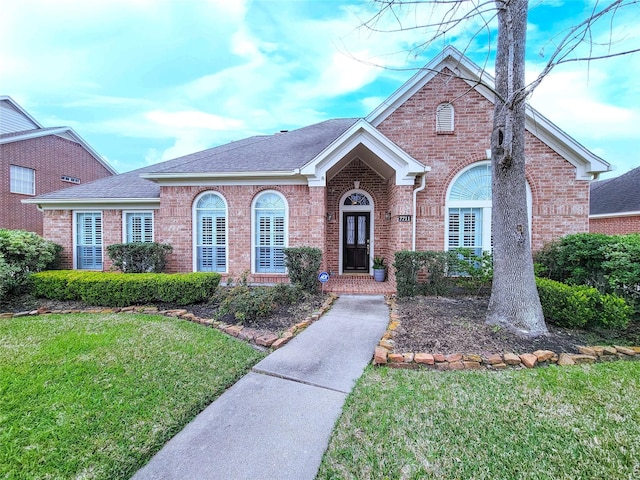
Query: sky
x=143, y=81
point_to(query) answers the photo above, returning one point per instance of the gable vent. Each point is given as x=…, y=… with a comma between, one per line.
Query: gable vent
x=444, y=118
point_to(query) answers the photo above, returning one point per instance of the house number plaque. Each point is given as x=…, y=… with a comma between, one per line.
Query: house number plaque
x=404, y=218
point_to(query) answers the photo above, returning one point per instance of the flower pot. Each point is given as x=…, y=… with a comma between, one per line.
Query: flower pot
x=379, y=274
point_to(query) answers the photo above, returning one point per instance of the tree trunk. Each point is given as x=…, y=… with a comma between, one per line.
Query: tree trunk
x=514, y=302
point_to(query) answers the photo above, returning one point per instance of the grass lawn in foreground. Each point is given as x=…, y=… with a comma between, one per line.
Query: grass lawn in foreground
x=547, y=423
x=95, y=396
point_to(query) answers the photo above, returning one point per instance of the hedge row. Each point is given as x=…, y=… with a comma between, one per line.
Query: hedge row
x=112, y=289
x=582, y=306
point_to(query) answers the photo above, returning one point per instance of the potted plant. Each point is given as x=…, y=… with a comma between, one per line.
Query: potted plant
x=379, y=270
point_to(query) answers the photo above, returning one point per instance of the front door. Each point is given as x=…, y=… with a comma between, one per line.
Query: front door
x=355, y=241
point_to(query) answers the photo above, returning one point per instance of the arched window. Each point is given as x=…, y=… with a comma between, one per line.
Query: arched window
x=444, y=118
x=469, y=209
x=210, y=242
x=468, y=222
x=269, y=232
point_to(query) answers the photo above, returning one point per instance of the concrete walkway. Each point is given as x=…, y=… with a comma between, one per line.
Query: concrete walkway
x=275, y=422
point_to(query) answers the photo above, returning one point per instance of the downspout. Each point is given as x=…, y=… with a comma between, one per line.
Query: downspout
x=423, y=184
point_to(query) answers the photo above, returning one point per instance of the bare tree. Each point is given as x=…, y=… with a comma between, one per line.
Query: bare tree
x=514, y=302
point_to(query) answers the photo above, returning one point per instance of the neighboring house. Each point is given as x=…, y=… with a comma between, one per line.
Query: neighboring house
x=414, y=174
x=615, y=204
x=35, y=160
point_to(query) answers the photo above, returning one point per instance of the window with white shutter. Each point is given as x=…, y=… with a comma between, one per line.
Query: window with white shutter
x=210, y=218
x=88, y=240
x=270, y=232
x=138, y=227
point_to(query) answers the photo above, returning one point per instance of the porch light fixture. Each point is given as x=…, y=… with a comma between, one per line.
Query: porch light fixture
x=387, y=216
x=329, y=216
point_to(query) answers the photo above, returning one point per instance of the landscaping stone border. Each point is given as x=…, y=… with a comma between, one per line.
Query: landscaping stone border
x=384, y=354
x=251, y=335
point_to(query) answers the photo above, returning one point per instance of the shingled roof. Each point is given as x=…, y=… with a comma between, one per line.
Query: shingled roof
x=616, y=195
x=282, y=152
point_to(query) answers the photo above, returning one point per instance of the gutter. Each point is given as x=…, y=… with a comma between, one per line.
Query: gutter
x=423, y=184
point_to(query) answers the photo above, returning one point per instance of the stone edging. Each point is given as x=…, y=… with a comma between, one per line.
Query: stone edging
x=251, y=335
x=384, y=355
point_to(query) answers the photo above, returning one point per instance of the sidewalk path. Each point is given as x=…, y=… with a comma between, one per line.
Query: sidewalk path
x=275, y=422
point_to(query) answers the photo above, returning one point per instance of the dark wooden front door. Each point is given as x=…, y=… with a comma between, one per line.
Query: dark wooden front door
x=355, y=241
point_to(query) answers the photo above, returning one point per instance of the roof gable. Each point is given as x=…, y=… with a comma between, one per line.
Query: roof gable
x=587, y=163
x=13, y=118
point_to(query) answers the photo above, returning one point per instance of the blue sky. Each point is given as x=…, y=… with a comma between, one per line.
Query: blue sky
x=144, y=81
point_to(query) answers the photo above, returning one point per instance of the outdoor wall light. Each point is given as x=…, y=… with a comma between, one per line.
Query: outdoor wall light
x=387, y=216
x=329, y=216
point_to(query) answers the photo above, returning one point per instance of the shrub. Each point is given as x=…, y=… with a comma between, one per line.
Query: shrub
x=622, y=269
x=303, y=265
x=581, y=306
x=475, y=271
x=419, y=273
x=122, y=289
x=246, y=304
x=139, y=257
x=24, y=253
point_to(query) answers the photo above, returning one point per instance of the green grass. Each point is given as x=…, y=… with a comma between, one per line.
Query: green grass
x=95, y=396
x=548, y=423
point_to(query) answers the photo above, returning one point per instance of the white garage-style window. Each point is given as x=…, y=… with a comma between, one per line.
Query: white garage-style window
x=138, y=227
x=88, y=240
x=270, y=232
x=210, y=233
x=468, y=221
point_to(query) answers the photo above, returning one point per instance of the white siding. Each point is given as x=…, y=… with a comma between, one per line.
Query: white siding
x=11, y=120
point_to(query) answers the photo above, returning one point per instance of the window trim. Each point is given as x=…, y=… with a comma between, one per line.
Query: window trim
x=125, y=230
x=11, y=178
x=195, y=228
x=75, y=238
x=253, y=229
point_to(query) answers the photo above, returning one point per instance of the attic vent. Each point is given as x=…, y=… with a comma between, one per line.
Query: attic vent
x=444, y=118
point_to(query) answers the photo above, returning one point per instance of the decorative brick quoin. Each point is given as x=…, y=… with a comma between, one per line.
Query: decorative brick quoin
x=414, y=174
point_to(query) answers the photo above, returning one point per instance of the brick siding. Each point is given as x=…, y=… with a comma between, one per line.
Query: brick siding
x=615, y=225
x=50, y=157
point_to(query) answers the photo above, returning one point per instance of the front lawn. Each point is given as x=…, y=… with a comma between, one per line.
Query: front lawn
x=95, y=396
x=547, y=423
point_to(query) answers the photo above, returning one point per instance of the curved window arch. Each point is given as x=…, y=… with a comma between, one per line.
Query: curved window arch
x=468, y=221
x=270, y=232
x=444, y=117
x=210, y=234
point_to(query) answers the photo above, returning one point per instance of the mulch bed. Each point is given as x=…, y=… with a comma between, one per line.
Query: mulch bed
x=456, y=325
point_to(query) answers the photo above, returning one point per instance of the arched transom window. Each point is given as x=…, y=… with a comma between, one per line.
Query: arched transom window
x=269, y=232
x=357, y=198
x=210, y=215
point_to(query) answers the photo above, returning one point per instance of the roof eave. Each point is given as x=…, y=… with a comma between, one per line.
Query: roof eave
x=88, y=203
x=60, y=131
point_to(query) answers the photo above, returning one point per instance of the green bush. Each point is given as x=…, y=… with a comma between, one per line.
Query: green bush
x=576, y=306
x=122, y=289
x=245, y=304
x=24, y=253
x=139, y=257
x=611, y=263
x=303, y=265
x=420, y=273
x=475, y=272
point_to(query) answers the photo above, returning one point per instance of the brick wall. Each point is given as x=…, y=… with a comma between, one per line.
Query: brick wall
x=50, y=157
x=560, y=202
x=615, y=225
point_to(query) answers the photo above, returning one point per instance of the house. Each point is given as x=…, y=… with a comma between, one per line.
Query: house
x=414, y=174
x=615, y=204
x=35, y=160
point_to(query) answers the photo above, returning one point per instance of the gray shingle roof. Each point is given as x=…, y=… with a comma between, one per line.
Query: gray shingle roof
x=616, y=195
x=263, y=153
